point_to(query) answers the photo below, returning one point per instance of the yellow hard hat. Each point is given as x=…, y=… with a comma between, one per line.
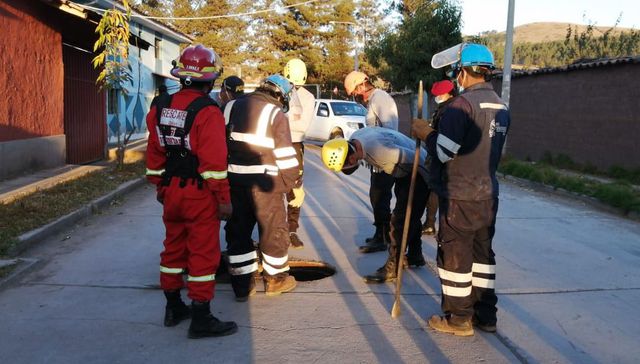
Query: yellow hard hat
x=353, y=79
x=334, y=154
x=296, y=71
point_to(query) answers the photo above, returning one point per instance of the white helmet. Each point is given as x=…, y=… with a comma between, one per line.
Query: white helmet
x=353, y=79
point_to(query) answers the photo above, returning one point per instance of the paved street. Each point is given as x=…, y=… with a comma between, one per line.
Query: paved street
x=568, y=283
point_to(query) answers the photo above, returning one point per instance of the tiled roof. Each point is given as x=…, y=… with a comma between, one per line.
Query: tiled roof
x=578, y=65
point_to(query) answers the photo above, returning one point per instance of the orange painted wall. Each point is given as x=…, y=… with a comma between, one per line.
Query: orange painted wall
x=31, y=72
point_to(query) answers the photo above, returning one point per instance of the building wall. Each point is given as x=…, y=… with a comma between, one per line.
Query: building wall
x=147, y=70
x=20, y=156
x=31, y=62
x=407, y=103
x=31, y=107
x=591, y=115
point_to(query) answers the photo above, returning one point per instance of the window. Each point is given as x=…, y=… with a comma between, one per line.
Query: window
x=323, y=110
x=112, y=101
x=348, y=108
x=157, y=43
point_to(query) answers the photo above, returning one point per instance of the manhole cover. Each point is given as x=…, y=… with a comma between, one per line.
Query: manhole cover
x=310, y=270
x=302, y=269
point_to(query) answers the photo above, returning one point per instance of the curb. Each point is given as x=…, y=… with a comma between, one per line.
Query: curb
x=592, y=201
x=23, y=265
x=30, y=238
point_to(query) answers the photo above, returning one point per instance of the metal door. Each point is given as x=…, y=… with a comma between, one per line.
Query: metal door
x=85, y=123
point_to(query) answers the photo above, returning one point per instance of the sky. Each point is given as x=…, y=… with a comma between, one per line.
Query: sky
x=483, y=15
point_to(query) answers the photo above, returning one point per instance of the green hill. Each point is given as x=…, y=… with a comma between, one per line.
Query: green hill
x=543, y=44
x=548, y=32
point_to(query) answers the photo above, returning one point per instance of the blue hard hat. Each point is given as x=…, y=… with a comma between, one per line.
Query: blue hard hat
x=473, y=54
x=283, y=85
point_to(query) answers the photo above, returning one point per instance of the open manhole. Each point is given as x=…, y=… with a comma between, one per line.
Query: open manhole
x=310, y=270
x=303, y=270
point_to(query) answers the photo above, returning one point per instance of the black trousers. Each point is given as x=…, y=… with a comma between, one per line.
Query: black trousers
x=432, y=209
x=466, y=262
x=293, y=213
x=380, y=196
x=251, y=206
x=414, y=238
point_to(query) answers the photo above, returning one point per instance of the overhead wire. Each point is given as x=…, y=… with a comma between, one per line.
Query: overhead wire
x=96, y=9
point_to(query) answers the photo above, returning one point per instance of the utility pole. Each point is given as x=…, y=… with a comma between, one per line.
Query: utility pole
x=508, y=55
x=508, y=58
x=355, y=27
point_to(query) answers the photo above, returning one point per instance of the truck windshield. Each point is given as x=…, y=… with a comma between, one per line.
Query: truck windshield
x=348, y=108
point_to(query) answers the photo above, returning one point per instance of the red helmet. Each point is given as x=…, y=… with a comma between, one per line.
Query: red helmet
x=441, y=87
x=198, y=63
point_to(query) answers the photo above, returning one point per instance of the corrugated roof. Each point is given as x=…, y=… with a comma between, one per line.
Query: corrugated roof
x=578, y=65
x=153, y=24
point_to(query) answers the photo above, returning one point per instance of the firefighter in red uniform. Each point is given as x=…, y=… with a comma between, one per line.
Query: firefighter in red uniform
x=187, y=161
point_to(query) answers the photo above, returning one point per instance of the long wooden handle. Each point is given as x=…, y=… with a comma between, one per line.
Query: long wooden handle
x=395, y=310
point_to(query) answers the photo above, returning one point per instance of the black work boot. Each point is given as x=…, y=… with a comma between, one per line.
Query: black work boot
x=204, y=324
x=243, y=286
x=414, y=255
x=416, y=260
x=484, y=326
x=389, y=270
x=379, y=244
x=175, y=310
x=377, y=236
x=386, y=273
x=244, y=296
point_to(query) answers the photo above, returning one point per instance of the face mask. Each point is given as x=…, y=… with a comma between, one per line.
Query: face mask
x=285, y=104
x=439, y=99
x=459, y=84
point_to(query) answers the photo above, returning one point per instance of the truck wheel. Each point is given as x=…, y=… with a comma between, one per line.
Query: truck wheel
x=336, y=134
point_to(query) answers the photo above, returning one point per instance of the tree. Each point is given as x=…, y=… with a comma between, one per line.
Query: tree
x=370, y=16
x=161, y=8
x=113, y=38
x=337, y=42
x=404, y=56
x=225, y=35
x=283, y=34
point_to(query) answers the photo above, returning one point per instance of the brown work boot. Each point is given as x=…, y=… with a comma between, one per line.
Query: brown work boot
x=273, y=286
x=451, y=325
x=296, y=243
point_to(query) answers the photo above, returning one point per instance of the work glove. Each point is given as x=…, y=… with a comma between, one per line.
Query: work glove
x=224, y=211
x=299, y=197
x=420, y=129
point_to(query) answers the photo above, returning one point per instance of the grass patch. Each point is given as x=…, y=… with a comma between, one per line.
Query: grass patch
x=42, y=207
x=7, y=269
x=618, y=194
x=618, y=173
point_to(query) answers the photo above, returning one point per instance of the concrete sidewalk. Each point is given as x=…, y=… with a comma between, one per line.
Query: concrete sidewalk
x=567, y=283
x=15, y=188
